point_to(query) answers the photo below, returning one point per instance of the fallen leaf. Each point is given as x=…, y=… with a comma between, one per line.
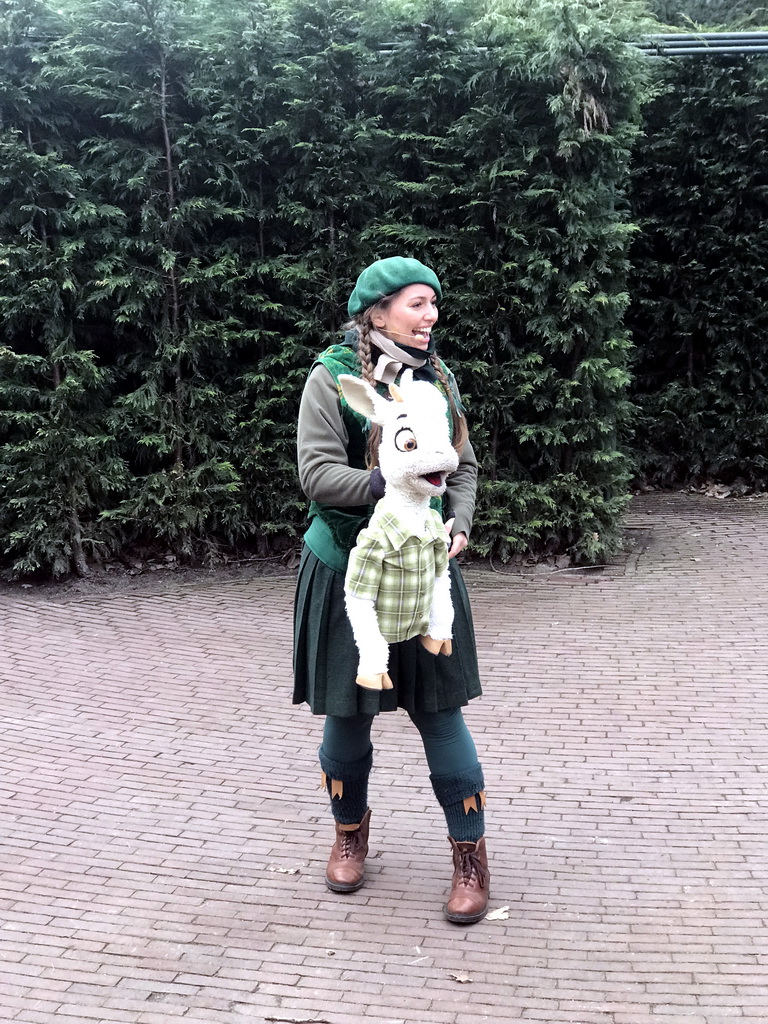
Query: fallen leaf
x=463, y=979
x=283, y=871
x=498, y=915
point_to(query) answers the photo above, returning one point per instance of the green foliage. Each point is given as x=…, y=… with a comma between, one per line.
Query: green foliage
x=58, y=464
x=699, y=283
x=704, y=14
x=189, y=191
x=519, y=202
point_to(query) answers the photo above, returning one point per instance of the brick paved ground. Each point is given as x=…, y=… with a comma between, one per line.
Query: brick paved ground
x=163, y=841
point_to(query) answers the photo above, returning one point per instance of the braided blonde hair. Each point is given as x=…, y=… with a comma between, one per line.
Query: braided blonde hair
x=364, y=325
x=364, y=350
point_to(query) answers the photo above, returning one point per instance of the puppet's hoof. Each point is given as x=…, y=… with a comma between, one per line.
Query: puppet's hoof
x=437, y=646
x=375, y=682
x=432, y=645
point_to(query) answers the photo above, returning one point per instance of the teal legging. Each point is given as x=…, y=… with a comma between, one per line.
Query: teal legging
x=448, y=745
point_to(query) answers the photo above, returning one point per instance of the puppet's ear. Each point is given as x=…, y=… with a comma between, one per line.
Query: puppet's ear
x=362, y=397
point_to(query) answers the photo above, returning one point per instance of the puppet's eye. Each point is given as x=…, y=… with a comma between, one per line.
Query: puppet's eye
x=405, y=440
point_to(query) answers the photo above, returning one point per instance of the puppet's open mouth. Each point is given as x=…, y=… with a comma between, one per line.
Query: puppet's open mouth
x=435, y=479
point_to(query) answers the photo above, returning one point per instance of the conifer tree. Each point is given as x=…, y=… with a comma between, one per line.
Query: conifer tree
x=315, y=180
x=700, y=294
x=515, y=189
x=704, y=14
x=208, y=181
x=57, y=458
x=138, y=70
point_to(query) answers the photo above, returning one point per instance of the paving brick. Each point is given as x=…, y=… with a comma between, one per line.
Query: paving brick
x=155, y=780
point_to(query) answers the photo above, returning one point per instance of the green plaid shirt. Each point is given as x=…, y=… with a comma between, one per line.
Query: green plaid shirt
x=397, y=571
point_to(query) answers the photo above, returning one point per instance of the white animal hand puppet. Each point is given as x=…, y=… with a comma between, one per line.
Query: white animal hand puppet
x=397, y=584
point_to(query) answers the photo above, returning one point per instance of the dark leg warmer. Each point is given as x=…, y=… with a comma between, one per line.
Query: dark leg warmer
x=347, y=785
x=462, y=797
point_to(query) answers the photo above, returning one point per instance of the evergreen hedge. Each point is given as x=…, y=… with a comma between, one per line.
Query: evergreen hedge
x=699, y=283
x=690, y=15
x=187, y=195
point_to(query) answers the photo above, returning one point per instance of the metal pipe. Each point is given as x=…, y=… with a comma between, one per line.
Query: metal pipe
x=700, y=44
x=672, y=51
x=671, y=36
x=712, y=51
x=672, y=44
x=689, y=44
x=707, y=44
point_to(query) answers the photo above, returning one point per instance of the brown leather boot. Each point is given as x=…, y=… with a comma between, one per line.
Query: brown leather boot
x=346, y=865
x=468, y=901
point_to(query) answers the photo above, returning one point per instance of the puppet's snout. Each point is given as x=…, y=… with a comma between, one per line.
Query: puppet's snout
x=423, y=470
x=440, y=466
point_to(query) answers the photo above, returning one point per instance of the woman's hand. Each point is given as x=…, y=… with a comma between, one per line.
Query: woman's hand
x=458, y=543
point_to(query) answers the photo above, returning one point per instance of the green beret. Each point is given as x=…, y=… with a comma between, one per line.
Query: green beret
x=386, y=276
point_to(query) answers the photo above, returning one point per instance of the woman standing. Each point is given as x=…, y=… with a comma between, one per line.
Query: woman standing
x=394, y=307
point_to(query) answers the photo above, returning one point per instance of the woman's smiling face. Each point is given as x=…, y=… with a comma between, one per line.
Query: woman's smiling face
x=409, y=317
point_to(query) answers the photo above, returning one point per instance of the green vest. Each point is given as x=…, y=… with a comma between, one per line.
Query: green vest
x=333, y=531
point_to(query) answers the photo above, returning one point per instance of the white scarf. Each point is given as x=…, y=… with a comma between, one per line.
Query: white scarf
x=392, y=358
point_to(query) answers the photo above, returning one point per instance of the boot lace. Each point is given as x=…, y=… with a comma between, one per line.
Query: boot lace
x=468, y=866
x=349, y=843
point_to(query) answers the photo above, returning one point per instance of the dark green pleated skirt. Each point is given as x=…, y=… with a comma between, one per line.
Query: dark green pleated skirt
x=325, y=656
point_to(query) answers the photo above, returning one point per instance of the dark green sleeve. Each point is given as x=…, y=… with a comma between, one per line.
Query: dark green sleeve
x=324, y=469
